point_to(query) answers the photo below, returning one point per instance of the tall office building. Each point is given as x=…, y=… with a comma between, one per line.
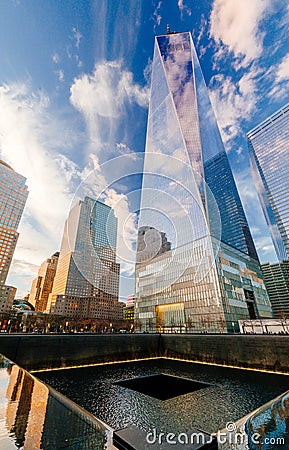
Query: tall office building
x=42, y=284
x=269, y=156
x=276, y=277
x=13, y=196
x=209, y=276
x=86, y=283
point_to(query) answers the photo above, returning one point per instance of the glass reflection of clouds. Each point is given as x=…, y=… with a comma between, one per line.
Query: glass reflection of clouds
x=269, y=157
x=267, y=427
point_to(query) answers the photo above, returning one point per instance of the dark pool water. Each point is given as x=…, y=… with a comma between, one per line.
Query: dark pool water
x=232, y=394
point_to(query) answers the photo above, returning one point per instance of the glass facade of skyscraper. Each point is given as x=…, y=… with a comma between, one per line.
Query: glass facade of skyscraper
x=190, y=197
x=87, y=277
x=42, y=285
x=276, y=277
x=269, y=155
x=13, y=196
x=242, y=286
x=235, y=229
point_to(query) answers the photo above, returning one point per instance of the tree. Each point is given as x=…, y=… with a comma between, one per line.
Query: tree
x=160, y=325
x=138, y=324
x=190, y=323
x=151, y=324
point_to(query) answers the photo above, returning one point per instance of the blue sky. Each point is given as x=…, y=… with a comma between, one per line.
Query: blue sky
x=74, y=86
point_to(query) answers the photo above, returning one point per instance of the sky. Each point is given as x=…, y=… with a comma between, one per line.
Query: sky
x=74, y=89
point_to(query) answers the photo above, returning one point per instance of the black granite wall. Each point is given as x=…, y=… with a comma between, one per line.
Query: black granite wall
x=50, y=351
x=269, y=352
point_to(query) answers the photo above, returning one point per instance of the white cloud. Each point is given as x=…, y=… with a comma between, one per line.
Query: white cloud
x=95, y=184
x=122, y=41
x=255, y=216
x=92, y=181
x=236, y=26
x=148, y=71
x=282, y=70
x=203, y=27
x=102, y=97
x=279, y=91
x=156, y=15
x=55, y=58
x=77, y=36
x=265, y=248
x=124, y=149
x=23, y=273
x=127, y=229
x=31, y=139
x=278, y=77
x=99, y=182
x=234, y=102
x=184, y=8
x=79, y=62
x=25, y=124
x=60, y=75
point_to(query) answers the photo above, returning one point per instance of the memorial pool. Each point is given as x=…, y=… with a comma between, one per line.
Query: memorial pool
x=229, y=395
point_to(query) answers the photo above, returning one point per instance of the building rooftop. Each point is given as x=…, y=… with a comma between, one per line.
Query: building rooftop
x=268, y=121
x=5, y=164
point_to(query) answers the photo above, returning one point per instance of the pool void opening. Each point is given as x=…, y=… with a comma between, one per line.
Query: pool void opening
x=162, y=386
